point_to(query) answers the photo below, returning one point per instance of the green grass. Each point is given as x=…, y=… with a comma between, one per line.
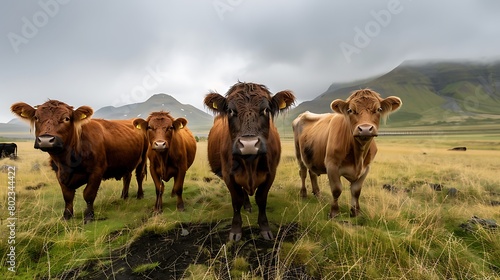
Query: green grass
x=413, y=233
x=143, y=268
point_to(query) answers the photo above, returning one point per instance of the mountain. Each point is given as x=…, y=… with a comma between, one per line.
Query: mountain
x=432, y=93
x=198, y=121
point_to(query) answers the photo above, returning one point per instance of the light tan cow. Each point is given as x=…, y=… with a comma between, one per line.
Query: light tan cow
x=341, y=143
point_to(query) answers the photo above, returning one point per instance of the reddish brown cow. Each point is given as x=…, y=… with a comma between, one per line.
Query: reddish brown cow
x=171, y=152
x=341, y=143
x=244, y=146
x=86, y=151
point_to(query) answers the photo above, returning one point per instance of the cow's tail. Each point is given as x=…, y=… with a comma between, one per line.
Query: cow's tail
x=296, y=134
x=145, y=171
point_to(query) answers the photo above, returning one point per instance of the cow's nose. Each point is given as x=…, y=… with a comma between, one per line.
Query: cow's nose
x=45, y=141
x=249, y=145
x=159, y=145
x=366, y=130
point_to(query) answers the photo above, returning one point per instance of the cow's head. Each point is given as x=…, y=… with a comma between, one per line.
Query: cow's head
x=159, y=129
x=249, y=109
x=364, y=109
x=55, y=122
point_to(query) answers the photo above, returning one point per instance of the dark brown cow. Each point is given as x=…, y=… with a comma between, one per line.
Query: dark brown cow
x=171, y=152
x=86, y=151
x=244, y=146
x=341, y=143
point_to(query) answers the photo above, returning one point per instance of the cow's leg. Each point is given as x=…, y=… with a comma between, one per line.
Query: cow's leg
x=237, y=198
x=303, y=176
x=126, y=185
x=302, y=166
x=336, y=188
x=140, y=173
x=314, y=183
x=261, y=199
x=355, y=193
x=246, y=204
x=69, y=196
x=89, y=194
x=160, y=188
x=177, y=189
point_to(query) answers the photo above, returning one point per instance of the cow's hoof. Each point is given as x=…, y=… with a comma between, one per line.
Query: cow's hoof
x=140, y=196
x=89, y=216
x=157, y=212
x=234, y=236
x=267, y=234
x=332, y=215
x=65, y=218
x=248, y=208
x=88, y=219
x=67, y=215
x=354, y=212
x=303, y=193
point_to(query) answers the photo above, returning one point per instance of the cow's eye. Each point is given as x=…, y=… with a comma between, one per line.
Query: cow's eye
x=380, y=109
x=350, y=111
x=149, y=128
x=66, y=119
x=265, y=112
x=36, y=118
x=231, y=112
x=171, y=128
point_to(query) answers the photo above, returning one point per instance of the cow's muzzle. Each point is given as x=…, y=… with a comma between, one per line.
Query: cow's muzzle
x=159, y=145
x=365, y=131
x=249, y=145
x=48, y=143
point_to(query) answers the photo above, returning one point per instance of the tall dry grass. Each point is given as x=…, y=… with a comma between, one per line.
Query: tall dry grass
x=411, y=232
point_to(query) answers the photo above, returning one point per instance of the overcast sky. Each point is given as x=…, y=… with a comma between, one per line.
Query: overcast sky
x=101, y=53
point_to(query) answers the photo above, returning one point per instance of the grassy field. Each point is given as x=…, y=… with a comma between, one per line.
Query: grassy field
x=420, y=226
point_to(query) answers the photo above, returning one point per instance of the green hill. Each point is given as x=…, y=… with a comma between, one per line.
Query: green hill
x=432, y=93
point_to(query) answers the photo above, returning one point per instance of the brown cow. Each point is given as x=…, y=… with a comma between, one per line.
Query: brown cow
x=171, y=152
x=244, y=146
x=86, y=151
x=341, y=143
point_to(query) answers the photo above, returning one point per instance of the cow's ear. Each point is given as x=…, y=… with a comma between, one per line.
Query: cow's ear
x=82, y=114
x=391, y=104
x=282, y=100
x=23, y=110
x=215, y=102
x=339, y=106
x=140, y=124
x=180, y=123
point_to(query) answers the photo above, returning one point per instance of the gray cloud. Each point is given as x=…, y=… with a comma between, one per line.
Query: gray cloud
x=99, y=53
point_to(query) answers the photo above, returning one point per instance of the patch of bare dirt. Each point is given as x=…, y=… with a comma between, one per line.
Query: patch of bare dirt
x=190, y=244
